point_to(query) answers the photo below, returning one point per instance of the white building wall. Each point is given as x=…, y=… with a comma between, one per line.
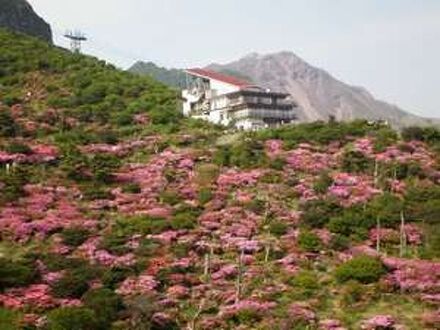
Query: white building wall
x=190, y=98
x=223, y=88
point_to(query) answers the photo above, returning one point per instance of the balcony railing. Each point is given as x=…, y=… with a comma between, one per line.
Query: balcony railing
x=263, y=114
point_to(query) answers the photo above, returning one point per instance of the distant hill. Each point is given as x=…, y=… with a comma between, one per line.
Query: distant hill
x=172, y=77
x=318, y=93
x=19, y=16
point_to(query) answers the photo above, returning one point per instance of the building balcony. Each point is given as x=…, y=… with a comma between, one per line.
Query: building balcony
x=263, y=113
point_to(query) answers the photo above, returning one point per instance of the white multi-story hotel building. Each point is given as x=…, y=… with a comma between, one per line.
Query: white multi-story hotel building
x=229, y=101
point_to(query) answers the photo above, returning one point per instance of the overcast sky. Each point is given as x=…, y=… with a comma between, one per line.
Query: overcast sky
x=391, y=47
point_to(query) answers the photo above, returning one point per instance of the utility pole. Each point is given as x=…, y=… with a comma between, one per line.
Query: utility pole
x=76, y=38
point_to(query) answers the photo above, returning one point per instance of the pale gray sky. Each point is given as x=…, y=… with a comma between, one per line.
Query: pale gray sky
x=391, y=47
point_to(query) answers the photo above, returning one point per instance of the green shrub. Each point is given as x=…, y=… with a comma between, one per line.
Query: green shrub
x=248, y=154
x=75, y=236
x=113, y=276
x=183, y=221
x=272, y=178
x=423, y=203
x=9, y=320
x=277, y=164
x=257, y=205
x=352, y=293
x=14, y=183
x=102, y=167
x=307, y=282
x=72, y=285
x=105, y=303
x=72, y=318
x=247, y=316
x=170, y=197
x=356, y=162
x=323, y=183
x=115, y=243
x=317, y=213
x=56, y=262
x=425, y=134
x=147, y=247
x=387, y=208
x=185, y=217
x=318, y=132
x=364, y=269
x=352, y=221
x=431, y=246
x=384, y=138
x=16, y=273
x=222, y=156
x=94, y=192
x=18, y=148
x=339, y=242
x=206, y=174
x=278, y=228
x=309, y=241
x=205, y=195
x=8, y=127
x=140, y=224
x=132, y=188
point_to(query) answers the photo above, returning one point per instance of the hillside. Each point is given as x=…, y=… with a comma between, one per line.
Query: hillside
x=117, y=213
x=18, y=16
x=318, y=93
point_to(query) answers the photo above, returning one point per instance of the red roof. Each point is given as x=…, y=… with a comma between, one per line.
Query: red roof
x=220, y=77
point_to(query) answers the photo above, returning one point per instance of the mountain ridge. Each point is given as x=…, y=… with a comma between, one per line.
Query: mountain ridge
x=319, y=95
x=19, y=16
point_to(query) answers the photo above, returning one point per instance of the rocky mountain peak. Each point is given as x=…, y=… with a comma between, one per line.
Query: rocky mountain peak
x=19, y=16
x=318, y=93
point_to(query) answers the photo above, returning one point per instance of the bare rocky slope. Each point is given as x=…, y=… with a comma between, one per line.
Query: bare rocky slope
x=19, y=16
x=318, y=94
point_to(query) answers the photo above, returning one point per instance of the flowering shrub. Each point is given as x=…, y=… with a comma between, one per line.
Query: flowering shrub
x=248, y=306
x=388, y=235
x=379, y=322
x=143, y=284
x=33, y=154
x=352, y=189
x=308, y=161
x=413, y=275
x=121, y=149
x=274, y=148
x=301, y=313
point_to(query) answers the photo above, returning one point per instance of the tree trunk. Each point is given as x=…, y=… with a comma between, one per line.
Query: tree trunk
x=403, y=241
x=239, y=282
x=378, y=235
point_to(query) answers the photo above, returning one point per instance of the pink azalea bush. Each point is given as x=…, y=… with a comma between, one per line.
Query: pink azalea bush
x=36, y=297
x=143, y=284
x=306, y=160
x=352, y=189
x=379, y=322
x=246, y=305
x=414, y=275
x=274, y=148
x=40, y=153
